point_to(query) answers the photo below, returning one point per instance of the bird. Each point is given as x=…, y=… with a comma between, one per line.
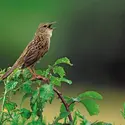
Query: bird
x=34, y=51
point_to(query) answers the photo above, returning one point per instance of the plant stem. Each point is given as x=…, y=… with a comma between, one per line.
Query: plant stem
x=2, y=110
x=64, y=102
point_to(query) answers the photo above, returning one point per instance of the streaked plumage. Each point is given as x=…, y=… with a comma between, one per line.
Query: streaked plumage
x=34, y=50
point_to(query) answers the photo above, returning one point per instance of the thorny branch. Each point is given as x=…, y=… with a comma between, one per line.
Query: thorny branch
x=64, y=102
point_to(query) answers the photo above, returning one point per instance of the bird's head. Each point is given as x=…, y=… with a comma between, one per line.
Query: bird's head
x=46, y=28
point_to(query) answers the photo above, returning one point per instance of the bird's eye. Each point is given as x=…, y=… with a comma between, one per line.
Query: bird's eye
x=45, y=26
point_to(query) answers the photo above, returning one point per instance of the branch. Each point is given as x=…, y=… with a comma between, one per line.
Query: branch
x=64, y=102
x=46, y=80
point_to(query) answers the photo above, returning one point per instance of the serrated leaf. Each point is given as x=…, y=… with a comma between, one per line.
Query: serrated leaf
x=63, y=60
x=37, y=122
x=66, y=81
x=27, y=87
x=46, y=92
x=10, y=85
x=34, y=96
x=16, y=73
x=25, y=113
x=44, y=73
x=59, y=70
x=91, y=106
x=91, y=94
x=55, y=81
x=10, y=106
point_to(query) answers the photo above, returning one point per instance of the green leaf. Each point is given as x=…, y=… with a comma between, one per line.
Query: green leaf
x=91, y=106
x=67, y=98
x=46, y=92
x=27, y=87
x=43, y=73
x=25, y=96
x=34, y=97
x=16, y=73
x=55, y=81
x=66, y=81
x=75, y=118
x=83, y=120
x=59, y=70
x=36, y=122
x=80, y=115
x=63, y=108
x=2, y=71
x=25, y=113
x=101, y=123
x=123, y=112
x=71, y=108
x=10, y=85
x=90, y=94
x=63, y=115
x=10, y=106
x=26, y=74
x=63, y=60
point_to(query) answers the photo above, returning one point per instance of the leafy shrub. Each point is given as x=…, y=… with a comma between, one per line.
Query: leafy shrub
x=45, y=91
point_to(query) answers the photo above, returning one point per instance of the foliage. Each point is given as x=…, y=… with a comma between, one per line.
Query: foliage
x=44, y=92
x=123, y=112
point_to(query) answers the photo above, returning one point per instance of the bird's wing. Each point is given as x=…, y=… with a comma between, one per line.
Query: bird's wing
x=32, y=53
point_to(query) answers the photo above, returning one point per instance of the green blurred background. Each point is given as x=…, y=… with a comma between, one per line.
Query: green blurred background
x=90, y=32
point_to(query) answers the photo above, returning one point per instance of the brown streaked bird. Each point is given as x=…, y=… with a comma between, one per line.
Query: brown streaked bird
x=34, y=50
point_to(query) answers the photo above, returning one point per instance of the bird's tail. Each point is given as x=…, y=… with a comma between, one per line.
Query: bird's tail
x=9, y=71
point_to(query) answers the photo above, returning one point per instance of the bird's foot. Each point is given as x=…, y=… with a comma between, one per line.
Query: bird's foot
x=39, y=77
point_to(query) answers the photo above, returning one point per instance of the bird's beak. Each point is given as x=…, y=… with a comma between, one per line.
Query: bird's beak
x=50, y=25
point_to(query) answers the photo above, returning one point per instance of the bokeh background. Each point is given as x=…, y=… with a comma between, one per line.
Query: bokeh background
x=89, y=32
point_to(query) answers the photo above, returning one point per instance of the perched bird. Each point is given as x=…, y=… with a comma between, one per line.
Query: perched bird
x=34, y=50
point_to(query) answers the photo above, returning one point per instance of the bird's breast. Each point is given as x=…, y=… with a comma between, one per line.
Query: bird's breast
x=48, y=43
